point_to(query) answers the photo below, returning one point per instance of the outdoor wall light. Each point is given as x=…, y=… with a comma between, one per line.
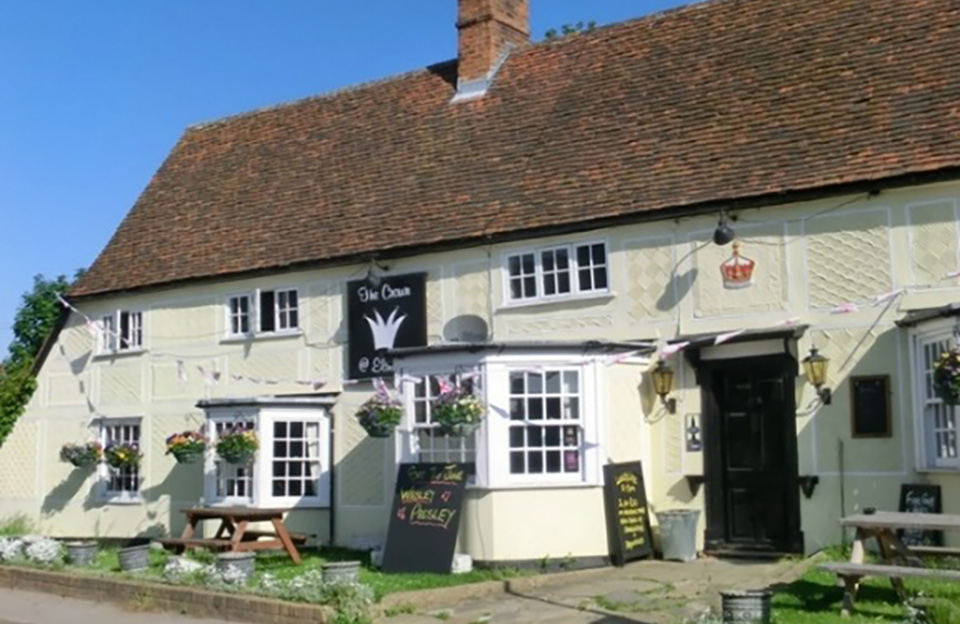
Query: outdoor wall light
x=374, y=278
x=816, y=366
x=663, y=384
x=724, y=233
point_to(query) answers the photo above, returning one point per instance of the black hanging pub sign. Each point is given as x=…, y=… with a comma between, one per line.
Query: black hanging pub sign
x=389, y=312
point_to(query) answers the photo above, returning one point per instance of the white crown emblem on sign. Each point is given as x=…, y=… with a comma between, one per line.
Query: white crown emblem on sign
x=385, y=332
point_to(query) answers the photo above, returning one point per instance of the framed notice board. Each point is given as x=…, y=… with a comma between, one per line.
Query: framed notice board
x=425, y=518
x=870, y=407
x=921, y=498
x=628, y=519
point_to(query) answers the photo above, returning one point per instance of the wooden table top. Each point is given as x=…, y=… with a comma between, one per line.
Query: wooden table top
x=237, y=513
x=904, y=520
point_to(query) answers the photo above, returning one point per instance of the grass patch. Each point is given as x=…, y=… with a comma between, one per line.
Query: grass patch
x=16, y=525
x=280, y=567
x=816, y=597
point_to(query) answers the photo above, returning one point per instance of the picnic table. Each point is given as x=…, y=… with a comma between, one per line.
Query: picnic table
x=234, y=533
x=898, y=560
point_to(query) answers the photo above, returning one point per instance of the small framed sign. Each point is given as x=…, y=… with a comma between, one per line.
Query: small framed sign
x=870, y=407
x=921, y=498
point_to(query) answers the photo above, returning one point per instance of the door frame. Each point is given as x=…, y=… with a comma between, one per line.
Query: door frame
x=716, y=529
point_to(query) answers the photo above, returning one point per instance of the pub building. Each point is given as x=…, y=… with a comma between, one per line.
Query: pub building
x=717, y=244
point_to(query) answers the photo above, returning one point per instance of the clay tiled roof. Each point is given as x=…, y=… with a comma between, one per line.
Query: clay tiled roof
x=725, y=99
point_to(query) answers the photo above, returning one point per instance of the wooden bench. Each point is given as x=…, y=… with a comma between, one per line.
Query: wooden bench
x=936, y=551
x=851, y=573
x=251, y=535
x=179, y=544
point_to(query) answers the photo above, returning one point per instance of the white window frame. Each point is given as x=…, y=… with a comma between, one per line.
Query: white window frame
x=576, y=288
x=459, y=450
x=261, y=476
x=255, y=313
x=111, y=339
x=105, y=472
x=230, y=315
x=492, y=439
x=925, y=432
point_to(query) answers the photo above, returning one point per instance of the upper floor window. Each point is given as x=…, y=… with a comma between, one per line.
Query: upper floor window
x=121, y=331
x=275, y=311
x=120, y=484
x=939, y=421
x=561, y=271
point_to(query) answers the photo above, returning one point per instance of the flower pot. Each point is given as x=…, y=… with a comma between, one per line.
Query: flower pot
x=947, y=395
x=459, y=430
x=187, y=456
x=746, y=607
x=378, y=430
x=341, y=572
x=241, y=564
x=239, y=457
x=81, y=553
x=84, y=462
x=135, y=557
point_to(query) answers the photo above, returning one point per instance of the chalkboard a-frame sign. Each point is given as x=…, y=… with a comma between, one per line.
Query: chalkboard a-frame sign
x=425, y=518
x=628, y=521
x=920, y=498
x=389, y=315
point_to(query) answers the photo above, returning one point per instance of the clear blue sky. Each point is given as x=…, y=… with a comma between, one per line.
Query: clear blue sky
x=93, y=95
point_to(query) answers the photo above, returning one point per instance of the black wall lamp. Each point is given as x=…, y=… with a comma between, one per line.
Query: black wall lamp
x=724, y=234
x=816, y=366
x=663, y=384
x=374, y=278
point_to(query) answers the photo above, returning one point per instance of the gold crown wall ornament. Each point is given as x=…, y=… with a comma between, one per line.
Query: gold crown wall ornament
x=737, y=270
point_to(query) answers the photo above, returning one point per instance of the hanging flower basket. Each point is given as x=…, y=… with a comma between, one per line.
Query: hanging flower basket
x=187, y=447
x=122, y=455
x=458, y=412
x=238, y=446
x=381, y=414
x=82, y=455
x=946, y=377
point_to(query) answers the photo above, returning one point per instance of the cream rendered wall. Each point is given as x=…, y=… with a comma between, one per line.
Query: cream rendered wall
x=665, y=282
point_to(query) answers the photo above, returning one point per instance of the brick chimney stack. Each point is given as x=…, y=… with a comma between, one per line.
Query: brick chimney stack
x=487, y=29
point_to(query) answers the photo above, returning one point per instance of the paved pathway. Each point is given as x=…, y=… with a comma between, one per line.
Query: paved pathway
x=649, y=592
x=20, y=607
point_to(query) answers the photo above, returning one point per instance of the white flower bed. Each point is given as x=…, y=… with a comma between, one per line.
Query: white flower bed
x=31, y=548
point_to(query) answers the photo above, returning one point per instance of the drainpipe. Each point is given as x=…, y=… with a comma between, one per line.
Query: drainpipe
x=333, y=483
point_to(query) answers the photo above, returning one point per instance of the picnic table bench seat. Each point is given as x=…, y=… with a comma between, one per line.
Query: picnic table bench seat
x=179, y=544
x=297, y=538
x=936, y=551
x=851, y=573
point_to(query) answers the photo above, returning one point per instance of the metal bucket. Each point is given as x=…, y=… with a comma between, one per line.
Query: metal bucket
x=746, y=606
x=678, y=533
x=241, y=562
x=341, y=572
x=81, y=553
x=134, y=557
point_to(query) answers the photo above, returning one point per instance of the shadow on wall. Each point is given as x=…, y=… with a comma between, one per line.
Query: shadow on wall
x=57, y=499
x=676, y=290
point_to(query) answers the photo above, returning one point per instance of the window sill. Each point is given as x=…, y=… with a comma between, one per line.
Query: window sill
x=262, y=337
x=115, y=355
x=122, y=501
x=566, y=299
x=939, y=470
x=555, y=485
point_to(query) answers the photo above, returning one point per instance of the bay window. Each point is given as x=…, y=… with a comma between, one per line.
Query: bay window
x=292, y=465
x=937, y=425
x=541, y=428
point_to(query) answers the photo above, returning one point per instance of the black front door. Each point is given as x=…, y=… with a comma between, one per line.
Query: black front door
x=751, y=455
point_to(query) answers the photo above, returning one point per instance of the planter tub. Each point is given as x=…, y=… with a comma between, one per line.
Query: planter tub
x=187, y=456
x=238, y=459
x=746, y=607
x=244, y=562
x=81, y=553
x=378, y=431
x=135, y=557
x=341, y=572
x=459, y=430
